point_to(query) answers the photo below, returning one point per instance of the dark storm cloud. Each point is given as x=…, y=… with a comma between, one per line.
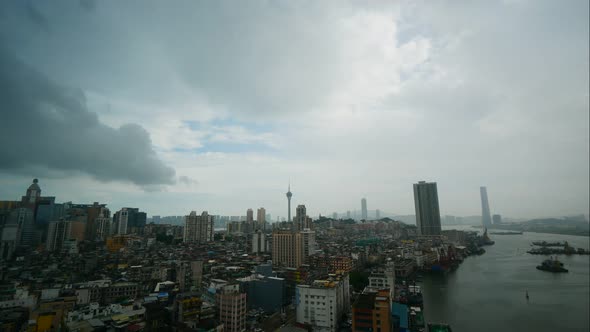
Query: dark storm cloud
x=45, y=124
x=36, y=16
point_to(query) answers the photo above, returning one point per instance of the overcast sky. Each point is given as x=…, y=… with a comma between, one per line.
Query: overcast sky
x=216, y=105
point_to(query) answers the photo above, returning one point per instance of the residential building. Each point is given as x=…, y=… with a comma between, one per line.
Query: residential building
x=372, y=312
x=283, y=248
x=321, y=305
x=231, y=302
x=259, y=243
x=57, y=233
x=364, y=214
x=198, y=228
x=261, y=219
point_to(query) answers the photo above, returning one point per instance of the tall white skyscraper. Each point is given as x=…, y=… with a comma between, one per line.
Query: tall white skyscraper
x=427, y=210
x=486, y=217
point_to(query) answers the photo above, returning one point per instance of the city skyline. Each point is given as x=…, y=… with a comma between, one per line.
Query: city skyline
x=347, y=100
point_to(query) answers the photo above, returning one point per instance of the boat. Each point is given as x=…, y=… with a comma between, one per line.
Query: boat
x=552, y=265
x=549, y=244
x=506, y=233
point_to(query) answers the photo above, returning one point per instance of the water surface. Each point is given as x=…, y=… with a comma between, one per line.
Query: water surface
x=487, y=293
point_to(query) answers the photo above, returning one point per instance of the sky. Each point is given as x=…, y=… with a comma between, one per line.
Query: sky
x=219, y=105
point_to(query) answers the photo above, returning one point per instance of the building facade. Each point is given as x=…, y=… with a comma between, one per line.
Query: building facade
x=198, y=228
x=427, y=209
x=322, y=304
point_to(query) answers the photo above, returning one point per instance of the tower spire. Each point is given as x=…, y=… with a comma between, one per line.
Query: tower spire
x=289, y=195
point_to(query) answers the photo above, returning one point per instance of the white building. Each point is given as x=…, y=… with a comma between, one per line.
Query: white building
x=103, y=227
x=259, y=243
x=322, y=304
x=57, y=233
x=123, y=221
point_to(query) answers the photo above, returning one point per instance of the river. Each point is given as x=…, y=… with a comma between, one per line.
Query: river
x=487, y=292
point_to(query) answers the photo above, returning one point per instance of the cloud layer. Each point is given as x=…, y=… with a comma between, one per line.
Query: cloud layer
x=346, y=99
x=45, y=125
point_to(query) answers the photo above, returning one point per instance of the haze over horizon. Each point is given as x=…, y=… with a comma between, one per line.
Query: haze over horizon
x=217, y=105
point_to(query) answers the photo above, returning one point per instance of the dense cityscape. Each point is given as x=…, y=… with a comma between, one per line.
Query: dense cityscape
x=294, y=166
x=77, y=267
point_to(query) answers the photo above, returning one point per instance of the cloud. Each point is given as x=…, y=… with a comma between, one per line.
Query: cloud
x=36, y=16
x=47, y=125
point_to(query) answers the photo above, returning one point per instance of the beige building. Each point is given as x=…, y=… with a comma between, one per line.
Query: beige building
x=198, y=229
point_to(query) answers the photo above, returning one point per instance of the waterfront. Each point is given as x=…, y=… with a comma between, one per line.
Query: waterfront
x=487, y=292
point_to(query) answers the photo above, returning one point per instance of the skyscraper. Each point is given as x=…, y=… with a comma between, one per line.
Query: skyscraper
x=427, y=210
x=364, y=209
x=198, y=229
x=377, y=214
x=300, y=214
x=260, y=218
x=249, y=216
x=486, y=218
x=289, y=195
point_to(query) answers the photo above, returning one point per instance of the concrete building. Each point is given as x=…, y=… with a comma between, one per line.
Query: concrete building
x=304, y=246
x=427, y=209
x=129, y=221
x=265, y=292
x=486, y=218
x=24, y=218
x=231, y=302
x=103, y=228
x=283, y=248
x=322, y=304
x=198, y=229
x=261, y=219
x=259, y=243
x=372, y=312
x=497, y=219
x=57, y=233
x=364, y=214
x=250, y=216
x=9, y=240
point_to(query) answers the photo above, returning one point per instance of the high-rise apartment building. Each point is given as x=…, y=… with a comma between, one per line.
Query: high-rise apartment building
x=486, y=218
x=57, y=233
x=427, y=209
x=259, y=242
x=260, y=219
x=231, y=302
x=129, y=221
x=249, y=216
x=364, y=214
x=102, y=227
x=304, y=246
x=198, y=229
x=283, y=248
